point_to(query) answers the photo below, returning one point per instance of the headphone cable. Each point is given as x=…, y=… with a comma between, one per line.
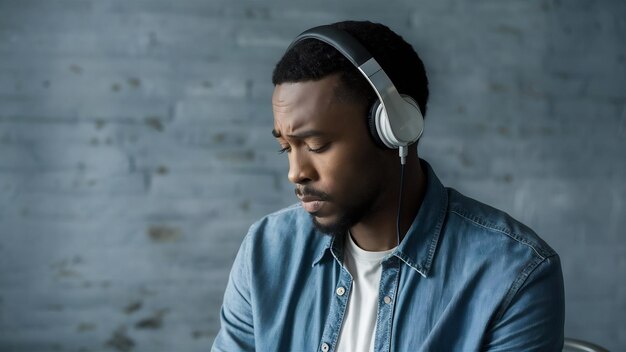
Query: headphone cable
x=399, y=205
x=393, y=311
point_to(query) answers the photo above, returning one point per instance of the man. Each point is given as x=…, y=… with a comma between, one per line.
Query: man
x=378, y=255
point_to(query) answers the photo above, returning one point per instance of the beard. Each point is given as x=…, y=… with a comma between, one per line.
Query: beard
x=337, y=228
x=353, y=207
x=351, y=214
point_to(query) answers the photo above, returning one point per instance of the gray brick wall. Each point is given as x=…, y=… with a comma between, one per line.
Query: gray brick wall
x=135, y=151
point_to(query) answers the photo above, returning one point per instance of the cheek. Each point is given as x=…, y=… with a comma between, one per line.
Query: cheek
x=349, y=171
x=330, y=167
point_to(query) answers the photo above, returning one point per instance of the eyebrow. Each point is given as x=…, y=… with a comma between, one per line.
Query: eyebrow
x=301, y=135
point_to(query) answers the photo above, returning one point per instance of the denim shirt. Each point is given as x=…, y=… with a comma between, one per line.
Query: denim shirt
x=466, y=277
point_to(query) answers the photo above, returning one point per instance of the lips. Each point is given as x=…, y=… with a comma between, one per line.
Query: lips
x=312, y=200
x=311, y=204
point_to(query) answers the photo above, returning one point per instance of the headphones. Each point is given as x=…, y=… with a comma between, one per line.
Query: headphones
x=394, y=120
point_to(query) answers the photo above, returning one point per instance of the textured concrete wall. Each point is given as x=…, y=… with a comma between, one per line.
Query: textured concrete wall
x=135, y=151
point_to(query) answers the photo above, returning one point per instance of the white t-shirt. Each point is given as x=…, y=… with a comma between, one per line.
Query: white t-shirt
x=359, y=324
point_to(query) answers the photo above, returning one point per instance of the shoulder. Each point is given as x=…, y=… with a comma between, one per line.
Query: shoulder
x=291, y=215
x=284, y=236
x=508, y=257
x=281, y=225
x=490, y=223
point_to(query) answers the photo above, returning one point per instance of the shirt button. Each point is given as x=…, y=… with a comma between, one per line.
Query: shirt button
x=340, y=291
x=325, y=347
x=387, y=299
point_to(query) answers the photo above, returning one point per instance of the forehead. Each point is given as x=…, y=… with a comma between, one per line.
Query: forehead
x=299, y=105
x=291, y=97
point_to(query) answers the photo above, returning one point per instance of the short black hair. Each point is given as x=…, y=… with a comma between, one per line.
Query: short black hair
x=312, y=60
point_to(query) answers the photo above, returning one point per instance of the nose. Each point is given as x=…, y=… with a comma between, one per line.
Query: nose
x=301, y=170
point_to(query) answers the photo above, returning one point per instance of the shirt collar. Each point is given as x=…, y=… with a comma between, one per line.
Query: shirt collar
x=333, y=245
x=419, y=245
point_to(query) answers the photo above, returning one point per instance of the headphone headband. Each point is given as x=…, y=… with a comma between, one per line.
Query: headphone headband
x=338, y=39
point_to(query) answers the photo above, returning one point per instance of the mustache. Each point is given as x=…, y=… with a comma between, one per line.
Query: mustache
x=308, y=191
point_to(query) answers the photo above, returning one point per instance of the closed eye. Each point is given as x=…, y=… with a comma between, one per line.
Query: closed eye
x=318, y=150
x=312, y=150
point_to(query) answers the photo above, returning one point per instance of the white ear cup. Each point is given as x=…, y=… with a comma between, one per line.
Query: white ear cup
x=383, y=126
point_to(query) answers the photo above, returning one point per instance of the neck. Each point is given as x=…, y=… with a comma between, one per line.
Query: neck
x=377, y=232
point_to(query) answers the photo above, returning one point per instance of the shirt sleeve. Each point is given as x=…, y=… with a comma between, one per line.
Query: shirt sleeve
x=534, y=318
x=237, y=329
